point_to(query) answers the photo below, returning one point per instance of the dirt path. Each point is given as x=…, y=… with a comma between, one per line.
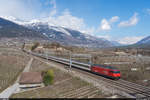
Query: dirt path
x=10, y=90
x=27, y=68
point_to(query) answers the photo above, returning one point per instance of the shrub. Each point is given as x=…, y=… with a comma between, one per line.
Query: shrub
x=48, y=77
x=35, y=46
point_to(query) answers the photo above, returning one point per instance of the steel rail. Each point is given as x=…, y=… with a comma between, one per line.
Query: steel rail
x=135, y=88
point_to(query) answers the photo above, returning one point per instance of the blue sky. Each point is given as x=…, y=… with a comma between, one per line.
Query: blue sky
x=125, y=21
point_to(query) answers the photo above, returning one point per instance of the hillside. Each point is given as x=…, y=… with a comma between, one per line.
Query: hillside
x=42, y=30
x=9, y=29
x=69, y=36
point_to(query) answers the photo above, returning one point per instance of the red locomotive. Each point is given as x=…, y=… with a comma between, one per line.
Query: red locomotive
x=107, y=71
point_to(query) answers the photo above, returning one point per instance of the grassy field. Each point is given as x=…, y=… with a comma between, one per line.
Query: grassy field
x=11, y=64
x=65, y=86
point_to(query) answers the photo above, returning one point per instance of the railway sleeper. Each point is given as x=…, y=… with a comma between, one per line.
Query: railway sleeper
x=83, y=93
x=76, y=91
x=96, y=94
x=90, y=95
x=136, y=85
x=72, y=90
x=142, y=92
x=144, y=98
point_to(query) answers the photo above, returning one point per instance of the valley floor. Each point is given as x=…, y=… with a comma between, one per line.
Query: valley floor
x=65, y=86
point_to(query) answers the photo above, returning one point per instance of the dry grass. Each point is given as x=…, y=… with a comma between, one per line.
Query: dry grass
x=69, y=87
x=38, y=66
x=11, y=65
x=126, y=73
x=128, y=62
x=64, y=86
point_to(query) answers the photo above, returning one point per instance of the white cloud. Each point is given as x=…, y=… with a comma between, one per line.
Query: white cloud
x=53, y=2
x=105, y=37
x=130, y=40
x=106, y=24
x=131, y=22
x=148, y=11
x=69, y=21
x=18, y=8
x=28, y=9
x=114, y=19
x=54, y=11
x=11, y=8
x=89, y=31
x=32, y=9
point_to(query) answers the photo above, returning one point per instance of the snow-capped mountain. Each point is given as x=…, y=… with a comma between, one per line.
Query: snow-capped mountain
x=69, y=36
x=146, y=40
x=61, y=34
x=143, y=43
x=9, y=29
x=14, y=20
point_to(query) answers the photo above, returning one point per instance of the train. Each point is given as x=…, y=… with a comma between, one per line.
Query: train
x=107, y=71
x=104, y=70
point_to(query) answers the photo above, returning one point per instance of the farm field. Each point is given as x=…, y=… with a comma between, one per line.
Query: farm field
x=65, y=86
x=11, y=65
x=133, y=68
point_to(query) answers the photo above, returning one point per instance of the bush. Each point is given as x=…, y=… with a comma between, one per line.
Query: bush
x=35, y=46
x=48, y=77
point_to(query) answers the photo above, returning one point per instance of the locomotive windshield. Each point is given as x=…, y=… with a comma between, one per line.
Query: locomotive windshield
x=116, y=71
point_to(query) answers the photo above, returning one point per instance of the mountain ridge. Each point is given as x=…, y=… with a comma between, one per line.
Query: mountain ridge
x=11, y=29
x=60, y=34
x=145, y=40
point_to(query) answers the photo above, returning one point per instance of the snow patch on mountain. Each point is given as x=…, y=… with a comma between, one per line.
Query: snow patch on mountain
x=45, y=34
x=36, y=22
x=62, y=34
x=59, y=29
x=10, y=18
x=15, y=20
x=87, y=36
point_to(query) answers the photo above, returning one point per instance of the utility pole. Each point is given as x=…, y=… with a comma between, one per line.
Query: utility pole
x=46, y=54
x=90, y=61
x=70, y=60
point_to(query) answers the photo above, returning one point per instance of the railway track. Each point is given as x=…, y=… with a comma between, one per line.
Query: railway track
x=136, y=90
x=131, y=88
